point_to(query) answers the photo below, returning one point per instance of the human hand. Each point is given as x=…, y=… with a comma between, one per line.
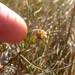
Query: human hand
x=13, y=29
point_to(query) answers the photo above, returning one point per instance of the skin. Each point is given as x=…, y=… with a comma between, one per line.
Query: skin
x=13, y=29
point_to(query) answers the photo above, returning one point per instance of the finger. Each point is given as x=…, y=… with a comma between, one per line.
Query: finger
x=13, y=29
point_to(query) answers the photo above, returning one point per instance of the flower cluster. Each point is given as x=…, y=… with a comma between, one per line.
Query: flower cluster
x=41, y=34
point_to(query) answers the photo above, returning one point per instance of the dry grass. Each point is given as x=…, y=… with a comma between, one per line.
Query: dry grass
x=53, y=55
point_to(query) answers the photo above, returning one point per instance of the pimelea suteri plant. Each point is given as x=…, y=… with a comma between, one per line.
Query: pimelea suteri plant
x=53, y=55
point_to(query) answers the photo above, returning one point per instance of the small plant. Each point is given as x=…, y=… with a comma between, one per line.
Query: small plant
x=48, y=48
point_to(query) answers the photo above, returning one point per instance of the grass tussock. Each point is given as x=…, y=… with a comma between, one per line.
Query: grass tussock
x=49, y=48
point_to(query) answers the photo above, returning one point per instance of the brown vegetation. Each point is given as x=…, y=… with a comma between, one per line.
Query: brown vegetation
x=53, y=55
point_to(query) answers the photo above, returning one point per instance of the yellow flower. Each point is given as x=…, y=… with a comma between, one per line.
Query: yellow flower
x=41, y=34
